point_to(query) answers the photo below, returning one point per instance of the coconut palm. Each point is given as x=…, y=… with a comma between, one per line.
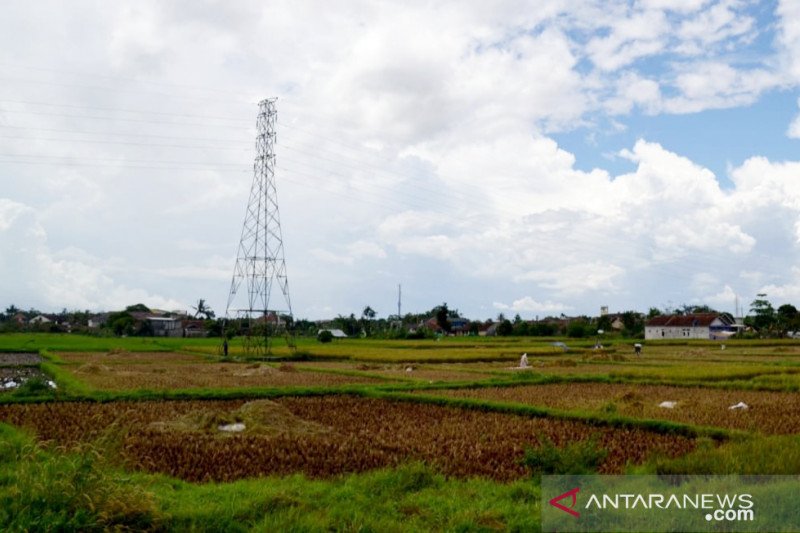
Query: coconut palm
x=201, y=309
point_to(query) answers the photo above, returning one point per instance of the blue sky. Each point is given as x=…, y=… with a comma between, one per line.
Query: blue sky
x=717, y=139
x=494, y=156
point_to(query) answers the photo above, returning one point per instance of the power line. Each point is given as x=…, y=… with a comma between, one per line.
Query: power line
x=121, y=134
x=83, y=74
x=119, y=110
x=126, y=143
x=116, y=90
x=119, y=119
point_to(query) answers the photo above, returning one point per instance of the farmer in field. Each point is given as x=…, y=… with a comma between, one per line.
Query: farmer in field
x=637, y=349
x=523, y=361
x=225, y=347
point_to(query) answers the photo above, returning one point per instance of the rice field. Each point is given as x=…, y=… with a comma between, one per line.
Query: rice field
x=323, y=436
x=767, y=411
x=120, y=375
x=462, y=409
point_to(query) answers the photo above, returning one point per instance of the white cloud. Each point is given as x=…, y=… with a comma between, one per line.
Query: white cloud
x=678, y=6
x=724, y=300
x=528, y=304
x=718, y=23
x=577, y=279
x=794, y=128
x=638, y=35
x=33, y=274
x=786, y=292
x=634, y=90
x=718, y=85
x=421, y=132
x=10, y=211
x=788, y=12
x=364, y=249
x=351, y=253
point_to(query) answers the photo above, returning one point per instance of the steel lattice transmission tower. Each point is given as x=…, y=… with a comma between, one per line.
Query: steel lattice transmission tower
x=260, y=262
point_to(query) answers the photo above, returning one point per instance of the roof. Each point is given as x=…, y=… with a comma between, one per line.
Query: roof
x=337, y=333
x=694, y=320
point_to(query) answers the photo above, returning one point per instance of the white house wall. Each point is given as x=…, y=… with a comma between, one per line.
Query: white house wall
x=662, y=332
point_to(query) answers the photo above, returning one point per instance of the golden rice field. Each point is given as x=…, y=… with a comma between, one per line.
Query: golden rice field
x=768, y=412
x=166, y=371
x=408, y=371
x=322, y=436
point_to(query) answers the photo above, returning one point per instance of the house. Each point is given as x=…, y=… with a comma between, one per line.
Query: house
x=165, y=326
x=98, y=321
x=39, y=319
x=707, y=326
x=194, y=328
x=337, y=333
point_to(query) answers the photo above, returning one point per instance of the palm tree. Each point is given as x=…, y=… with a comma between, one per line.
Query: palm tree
x=202, y=309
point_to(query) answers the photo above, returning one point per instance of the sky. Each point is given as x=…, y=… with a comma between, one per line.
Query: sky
x=532, y=158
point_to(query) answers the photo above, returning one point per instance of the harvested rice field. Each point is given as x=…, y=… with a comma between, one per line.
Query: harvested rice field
x=767, y=412
x=322, y=436
x=410, y=371
x=166, y=371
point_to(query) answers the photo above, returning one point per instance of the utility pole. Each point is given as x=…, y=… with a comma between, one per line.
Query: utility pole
x=260, y=261
x=399, y=299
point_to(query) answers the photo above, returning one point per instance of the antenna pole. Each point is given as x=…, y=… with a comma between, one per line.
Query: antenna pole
x=399, y=300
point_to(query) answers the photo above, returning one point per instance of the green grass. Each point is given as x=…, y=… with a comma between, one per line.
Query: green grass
x=408, y=498
x=79, y=491
x=752, y=455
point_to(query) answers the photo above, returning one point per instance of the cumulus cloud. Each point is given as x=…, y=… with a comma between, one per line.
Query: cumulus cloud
x=794, y=128
x=424, y=133
x=637, y=35
x=784, y=292
x=721, y=299
x=788, y=12
x=31, y=274
x=718, y=23
x=528, y=304
x=352, y=253
x=717, y=85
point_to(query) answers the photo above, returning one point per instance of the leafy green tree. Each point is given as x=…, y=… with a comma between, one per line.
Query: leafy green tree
x=577, y=329
x=654, y=312
x=121, y=323
x=763, y=313
x=475, y=327
x=367, y=317
x=140, y=308
x=442, y=314
x=348, y=324
x=505, y=328
x=521, y=328
x=788, y=318
x=633, y=323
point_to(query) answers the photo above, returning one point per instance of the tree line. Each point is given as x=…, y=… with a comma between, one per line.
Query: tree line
x=763, y=320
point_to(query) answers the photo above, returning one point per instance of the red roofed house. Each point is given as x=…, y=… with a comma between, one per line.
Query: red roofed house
x=705, y=326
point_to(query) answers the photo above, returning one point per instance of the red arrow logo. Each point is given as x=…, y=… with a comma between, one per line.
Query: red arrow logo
x=571, y=493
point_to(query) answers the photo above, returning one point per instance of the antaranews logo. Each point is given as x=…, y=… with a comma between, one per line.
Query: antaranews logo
x=573, y=495
x=669, y=503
